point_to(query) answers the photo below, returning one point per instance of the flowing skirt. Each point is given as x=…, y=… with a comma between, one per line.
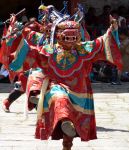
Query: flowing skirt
x=61, y=104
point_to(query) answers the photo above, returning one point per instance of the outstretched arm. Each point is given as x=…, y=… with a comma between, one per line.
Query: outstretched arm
x=105, y=47
x=112, y=43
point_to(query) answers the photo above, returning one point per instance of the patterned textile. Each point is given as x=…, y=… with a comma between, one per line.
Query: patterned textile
x=112, y=51
x=60, y=108
x=69, y=93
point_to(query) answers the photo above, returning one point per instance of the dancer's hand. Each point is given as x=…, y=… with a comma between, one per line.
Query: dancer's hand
x=12, y=18
x=114, y=24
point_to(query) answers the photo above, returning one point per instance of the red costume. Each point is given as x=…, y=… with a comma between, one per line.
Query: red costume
x=66, y=94
x=68, y=88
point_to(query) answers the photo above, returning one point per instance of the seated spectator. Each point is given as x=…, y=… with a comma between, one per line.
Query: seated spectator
x=4, y=75
x=105, y=72
x=124, y=48
x=102, y=71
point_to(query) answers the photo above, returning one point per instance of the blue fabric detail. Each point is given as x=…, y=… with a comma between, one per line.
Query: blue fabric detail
x=40, y=16
x=82, y=34
x=38, y=69
x=55, y=90
x=84, y=103
x=116, y=37
x=18, y=62
x=88, y=46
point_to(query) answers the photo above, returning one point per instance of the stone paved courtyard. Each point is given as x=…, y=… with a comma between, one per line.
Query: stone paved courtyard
x=112, y=119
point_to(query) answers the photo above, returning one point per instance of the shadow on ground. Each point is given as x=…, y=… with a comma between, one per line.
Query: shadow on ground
x=102, y=129
x=6, y=87
x=97, y=88
x=109, y=88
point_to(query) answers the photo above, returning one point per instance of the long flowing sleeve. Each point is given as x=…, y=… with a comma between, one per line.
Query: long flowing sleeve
x=105, y=47
x=111, y=48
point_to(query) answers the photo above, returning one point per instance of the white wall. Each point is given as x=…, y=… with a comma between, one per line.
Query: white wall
x=98, y=4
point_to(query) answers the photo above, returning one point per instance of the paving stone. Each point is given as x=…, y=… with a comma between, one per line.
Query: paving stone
x=112, y=113
x=6, y=148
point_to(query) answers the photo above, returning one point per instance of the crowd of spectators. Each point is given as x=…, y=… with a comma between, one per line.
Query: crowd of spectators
x=96, y=26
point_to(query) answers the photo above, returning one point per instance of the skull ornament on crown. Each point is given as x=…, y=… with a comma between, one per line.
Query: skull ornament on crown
x=68, y=34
